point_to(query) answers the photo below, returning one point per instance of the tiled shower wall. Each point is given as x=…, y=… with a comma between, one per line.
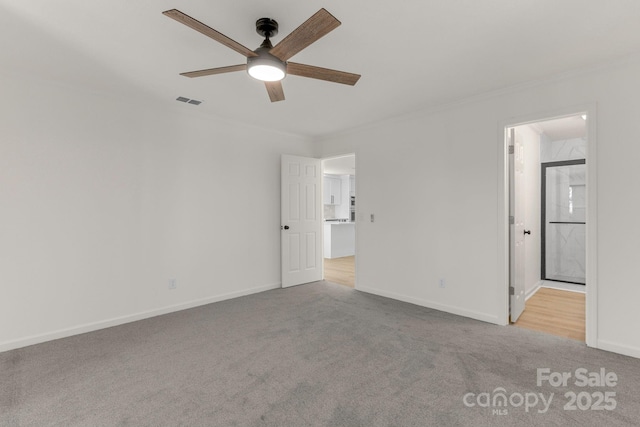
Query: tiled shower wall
x=564, y=149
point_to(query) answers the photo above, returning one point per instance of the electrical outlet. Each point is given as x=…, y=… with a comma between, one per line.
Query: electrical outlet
x=442, y=283
x=173, y=283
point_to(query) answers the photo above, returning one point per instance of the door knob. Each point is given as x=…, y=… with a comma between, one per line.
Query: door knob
x=286, y=227
x=527, y=231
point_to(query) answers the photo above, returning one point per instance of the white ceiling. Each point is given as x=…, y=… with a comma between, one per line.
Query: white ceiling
x=345, y=165
x=412, y=54
x=563, y=128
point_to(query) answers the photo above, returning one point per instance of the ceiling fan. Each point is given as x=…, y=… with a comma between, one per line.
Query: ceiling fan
x=270, y=63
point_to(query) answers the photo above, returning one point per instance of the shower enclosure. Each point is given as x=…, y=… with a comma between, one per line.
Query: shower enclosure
x=564, y=221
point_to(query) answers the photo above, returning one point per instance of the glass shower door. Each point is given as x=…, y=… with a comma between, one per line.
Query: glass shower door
x=564, y=221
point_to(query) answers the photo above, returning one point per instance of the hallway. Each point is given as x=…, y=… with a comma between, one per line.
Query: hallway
x=557, y=312
x=341, y=270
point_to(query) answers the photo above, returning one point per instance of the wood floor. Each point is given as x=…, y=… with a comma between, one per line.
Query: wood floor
x=556, y=312
x=341, y=270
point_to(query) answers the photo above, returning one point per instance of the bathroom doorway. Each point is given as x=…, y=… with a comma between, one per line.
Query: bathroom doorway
x=550, y=229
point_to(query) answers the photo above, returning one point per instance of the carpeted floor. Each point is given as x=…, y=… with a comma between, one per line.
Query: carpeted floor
x=313, y=355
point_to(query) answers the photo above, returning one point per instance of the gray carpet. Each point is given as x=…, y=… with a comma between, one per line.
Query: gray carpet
x=313, y=355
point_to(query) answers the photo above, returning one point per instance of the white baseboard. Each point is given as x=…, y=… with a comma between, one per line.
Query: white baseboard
x=619, y=348
x=569, y=287
x=94, y=326
x=533, y=290
x=489, y=318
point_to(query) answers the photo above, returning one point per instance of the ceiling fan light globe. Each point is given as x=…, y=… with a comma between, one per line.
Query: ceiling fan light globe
x=266, y=72
x=266, y=67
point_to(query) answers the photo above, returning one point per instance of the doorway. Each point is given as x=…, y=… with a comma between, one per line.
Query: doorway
x=339, y=219
x=556, y=205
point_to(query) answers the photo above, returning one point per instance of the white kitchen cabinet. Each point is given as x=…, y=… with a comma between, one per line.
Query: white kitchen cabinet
x=339, y=239
x=342, y=210
x=332, y=193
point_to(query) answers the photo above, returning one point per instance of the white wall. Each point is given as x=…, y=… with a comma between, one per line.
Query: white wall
x=104, y=200
x=446, y=174
x=532, y=206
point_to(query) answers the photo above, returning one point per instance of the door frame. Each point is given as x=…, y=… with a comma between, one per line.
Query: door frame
x=502, y=290
x=322, y=160
x=517, y=260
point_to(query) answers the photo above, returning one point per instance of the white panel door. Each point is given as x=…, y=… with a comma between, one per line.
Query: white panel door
x=301, y=226
x=516, y=227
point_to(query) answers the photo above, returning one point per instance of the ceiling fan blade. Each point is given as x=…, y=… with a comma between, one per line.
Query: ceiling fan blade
x=320, y=24
x=212, y=71
x=320, y=73
x=208, y=31
x=275, y=91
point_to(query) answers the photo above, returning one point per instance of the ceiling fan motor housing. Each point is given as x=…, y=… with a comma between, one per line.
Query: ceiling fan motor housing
x=266, y=67
x=266, y=27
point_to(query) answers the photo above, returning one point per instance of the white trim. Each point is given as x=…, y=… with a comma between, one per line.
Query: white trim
x=591, y=314
x=544, y=284
x=356, y=272
x=569, y=287
x=502, y=288
x=485, y=317
x=533, y=291
x=619, y=348
x=557, y=288
x=94, y=326
x=591, y=297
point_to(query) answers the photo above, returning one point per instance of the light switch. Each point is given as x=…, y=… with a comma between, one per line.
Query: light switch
x=372, y=218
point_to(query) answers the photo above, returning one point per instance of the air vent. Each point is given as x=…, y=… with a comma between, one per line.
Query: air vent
x=188, y=101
